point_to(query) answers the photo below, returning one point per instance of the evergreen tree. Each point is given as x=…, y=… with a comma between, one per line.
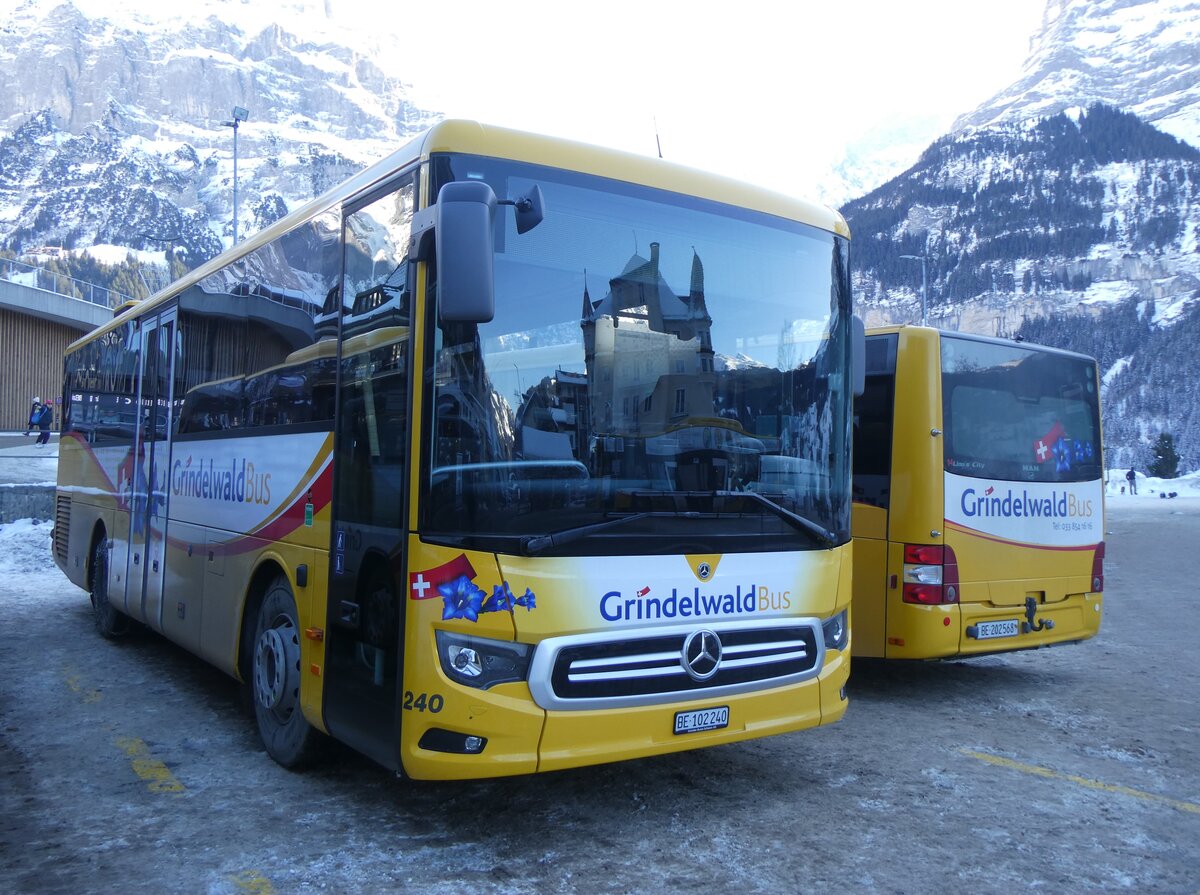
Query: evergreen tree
x=1166, y=460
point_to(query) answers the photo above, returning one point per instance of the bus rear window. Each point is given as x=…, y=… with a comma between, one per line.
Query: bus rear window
x=1019, y=413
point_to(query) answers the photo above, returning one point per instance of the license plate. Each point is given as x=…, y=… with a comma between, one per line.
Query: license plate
x=991, y=630
x=702, y=719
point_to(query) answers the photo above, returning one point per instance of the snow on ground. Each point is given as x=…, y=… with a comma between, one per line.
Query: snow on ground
x=24, y=551
x=23, y=278
x=1150, y=487
x=113, y=254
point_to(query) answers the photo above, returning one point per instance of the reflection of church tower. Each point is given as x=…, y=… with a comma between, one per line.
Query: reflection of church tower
x=587, y=323
x=648, y=351
x=700, y=314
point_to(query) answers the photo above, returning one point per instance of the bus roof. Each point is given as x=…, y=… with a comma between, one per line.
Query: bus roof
x=480, y=139
x=974, y=337
x=472, y=137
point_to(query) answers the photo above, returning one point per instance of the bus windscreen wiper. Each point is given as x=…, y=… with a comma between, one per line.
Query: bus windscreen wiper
x=541, y=543
x=822, y=535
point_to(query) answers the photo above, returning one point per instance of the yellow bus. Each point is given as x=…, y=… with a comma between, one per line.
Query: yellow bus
x=480, y=462
x=978, y=496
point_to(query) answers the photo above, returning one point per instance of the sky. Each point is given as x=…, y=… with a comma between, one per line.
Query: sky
x=770, y=91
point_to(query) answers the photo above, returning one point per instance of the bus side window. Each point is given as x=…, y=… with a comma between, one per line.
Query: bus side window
x=873, y=412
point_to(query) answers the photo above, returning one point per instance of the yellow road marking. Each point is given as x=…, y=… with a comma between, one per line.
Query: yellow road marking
x=1178, y=805
x=156, y=774
x=253, y=882
x=76, y=686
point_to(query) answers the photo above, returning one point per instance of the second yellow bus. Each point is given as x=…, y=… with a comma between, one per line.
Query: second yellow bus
x=978, y=496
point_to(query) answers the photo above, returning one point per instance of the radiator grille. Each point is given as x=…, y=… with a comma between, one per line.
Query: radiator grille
x=62, y=527
x=646, y=667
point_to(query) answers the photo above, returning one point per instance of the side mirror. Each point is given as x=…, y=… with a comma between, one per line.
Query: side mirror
x=464, y=246
x=858, y=355
x=459, y=231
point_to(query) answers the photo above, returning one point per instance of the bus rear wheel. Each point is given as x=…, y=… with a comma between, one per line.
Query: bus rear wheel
x=275, y=680
x=110, y=622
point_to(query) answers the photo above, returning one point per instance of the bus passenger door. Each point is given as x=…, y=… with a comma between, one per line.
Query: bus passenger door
x=149, y=472
x=363, y=661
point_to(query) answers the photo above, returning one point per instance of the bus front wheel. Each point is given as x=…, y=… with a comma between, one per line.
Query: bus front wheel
x=110, y=622
x=275, y=680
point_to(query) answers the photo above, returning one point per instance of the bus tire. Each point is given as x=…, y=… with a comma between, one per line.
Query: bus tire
x=275, y=680
x=110, y=621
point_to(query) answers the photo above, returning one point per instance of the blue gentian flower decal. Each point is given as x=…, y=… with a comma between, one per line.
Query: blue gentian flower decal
x=462, y=598
x=1062, y=454
x=503, y=599
x=500, y=600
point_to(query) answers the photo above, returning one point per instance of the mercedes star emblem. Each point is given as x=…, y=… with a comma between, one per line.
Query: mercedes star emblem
x=701, y=654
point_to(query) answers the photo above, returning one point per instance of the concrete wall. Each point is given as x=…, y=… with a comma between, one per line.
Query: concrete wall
x=26, y=502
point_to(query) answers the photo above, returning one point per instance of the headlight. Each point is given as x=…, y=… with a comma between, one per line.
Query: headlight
x=482, y=662
x=837, y=631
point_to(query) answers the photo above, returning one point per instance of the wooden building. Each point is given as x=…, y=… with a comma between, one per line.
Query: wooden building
x=36, y=326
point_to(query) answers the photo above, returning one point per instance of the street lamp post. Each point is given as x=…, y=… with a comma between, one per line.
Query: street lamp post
x=920, y=258
x=239, y=115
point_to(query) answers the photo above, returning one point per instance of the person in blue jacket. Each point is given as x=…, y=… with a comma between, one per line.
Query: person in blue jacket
x=45, y=417
x=34, y=410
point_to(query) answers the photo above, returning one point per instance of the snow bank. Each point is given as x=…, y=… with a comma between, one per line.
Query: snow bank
x=25, y=549
x=1152, y=488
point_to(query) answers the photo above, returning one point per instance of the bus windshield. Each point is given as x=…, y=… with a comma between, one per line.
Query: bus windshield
x=663, y=374
x=1019, y=414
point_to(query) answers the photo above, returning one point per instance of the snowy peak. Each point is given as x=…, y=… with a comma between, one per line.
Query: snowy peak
x=179, y=79
x=314, y=18
x=1079, y=230
x=114, y=121
x=1138, y=55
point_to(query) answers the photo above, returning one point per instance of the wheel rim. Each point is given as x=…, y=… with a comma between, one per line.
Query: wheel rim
x=276, y=666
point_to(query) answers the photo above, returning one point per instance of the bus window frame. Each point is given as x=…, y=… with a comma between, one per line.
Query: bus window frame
x=879, y=369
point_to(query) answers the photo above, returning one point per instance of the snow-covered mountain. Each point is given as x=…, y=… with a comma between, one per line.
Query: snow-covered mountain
x=115, y=119
x=875, y=158
x=1048, y=215
x=1139, y=55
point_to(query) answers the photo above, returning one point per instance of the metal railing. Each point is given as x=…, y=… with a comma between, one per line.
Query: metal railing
x=60, y=284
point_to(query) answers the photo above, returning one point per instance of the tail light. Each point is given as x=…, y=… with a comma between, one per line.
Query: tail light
x=930, y=574
x=1098, y=568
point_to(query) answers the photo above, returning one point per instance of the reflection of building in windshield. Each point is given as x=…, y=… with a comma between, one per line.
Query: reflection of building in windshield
x=657, y=408
x=553, y=418
x=474, y=422
x=648, y=351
